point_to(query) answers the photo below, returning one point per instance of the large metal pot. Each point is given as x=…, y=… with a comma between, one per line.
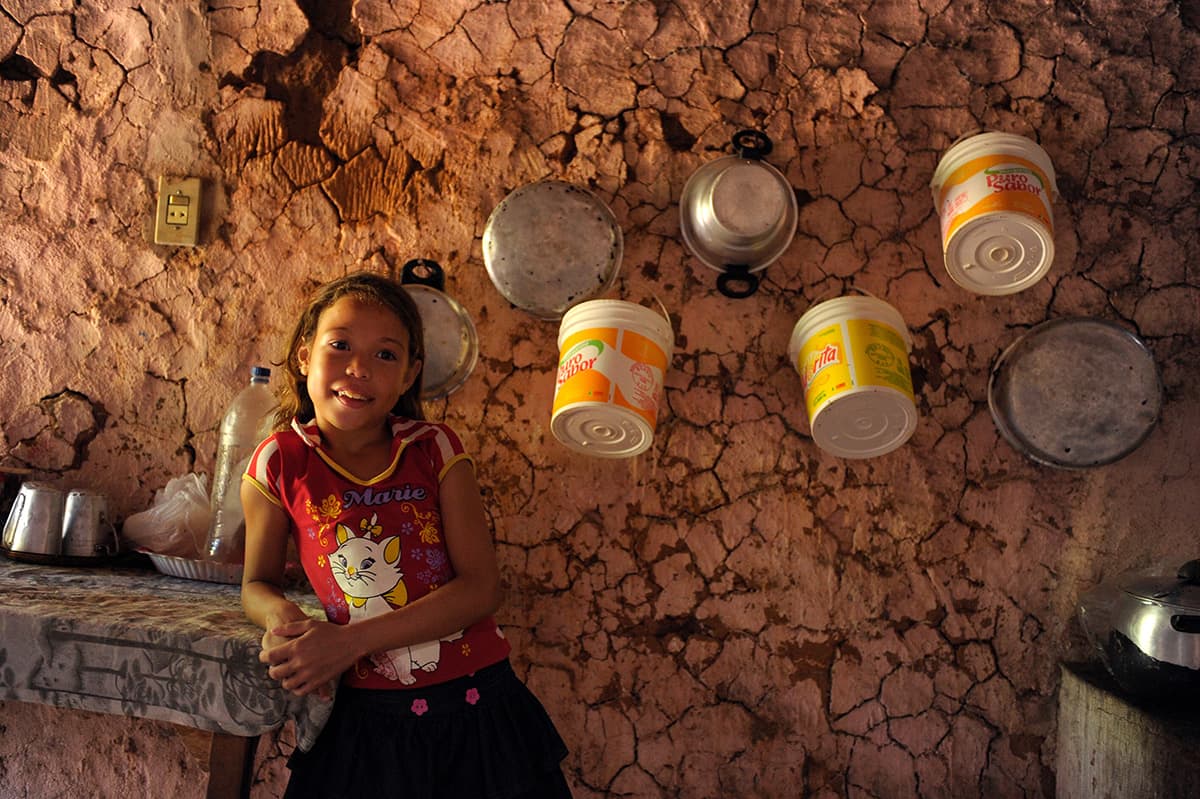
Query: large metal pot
x=738, y=214
x=1145, y=627
x=451, y=344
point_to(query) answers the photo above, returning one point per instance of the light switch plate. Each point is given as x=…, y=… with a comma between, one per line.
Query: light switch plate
x=177, y=219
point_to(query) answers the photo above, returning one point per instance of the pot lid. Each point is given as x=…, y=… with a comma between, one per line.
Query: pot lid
x=1075, y=392
x=1181, y=591
x=451, y=344
x=551, y=244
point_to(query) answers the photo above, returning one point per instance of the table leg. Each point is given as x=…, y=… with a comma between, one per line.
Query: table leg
x=230, y=766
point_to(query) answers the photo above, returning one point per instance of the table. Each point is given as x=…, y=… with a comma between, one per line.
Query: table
x=125, y=639
x=1112, y=744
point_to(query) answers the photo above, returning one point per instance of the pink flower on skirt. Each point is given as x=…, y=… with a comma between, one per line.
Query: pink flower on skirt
x=420, y=707
x=472, y=696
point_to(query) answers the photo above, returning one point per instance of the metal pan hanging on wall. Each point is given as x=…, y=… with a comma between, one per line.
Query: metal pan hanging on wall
x=551, y=244
x=1074, y=393
x=738, y=214
x=451, y=344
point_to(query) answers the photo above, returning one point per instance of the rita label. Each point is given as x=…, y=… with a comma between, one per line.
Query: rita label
x=817, y=361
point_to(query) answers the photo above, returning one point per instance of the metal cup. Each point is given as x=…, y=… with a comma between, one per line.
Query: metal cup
x=35, y=522
x=11, y=478
x=86, y=529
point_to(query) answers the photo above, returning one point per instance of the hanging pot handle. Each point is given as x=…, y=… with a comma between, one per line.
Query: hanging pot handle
x=1189, y=573
x=752, y=144
x=737, y=282
x=424, y=272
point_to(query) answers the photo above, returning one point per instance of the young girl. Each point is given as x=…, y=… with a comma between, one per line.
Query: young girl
x=391, y=530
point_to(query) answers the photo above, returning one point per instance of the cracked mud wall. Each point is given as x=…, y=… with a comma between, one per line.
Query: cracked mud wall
x=734, y=613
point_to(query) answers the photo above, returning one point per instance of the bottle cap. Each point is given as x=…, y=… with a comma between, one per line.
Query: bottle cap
x=260, y=371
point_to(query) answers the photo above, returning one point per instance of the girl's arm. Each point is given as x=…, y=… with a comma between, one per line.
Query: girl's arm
x=319, y=651
x=263, y=599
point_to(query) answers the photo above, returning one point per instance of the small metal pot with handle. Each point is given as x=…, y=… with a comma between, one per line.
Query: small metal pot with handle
x=87, y=530
x=738, y=214
x=451, y=344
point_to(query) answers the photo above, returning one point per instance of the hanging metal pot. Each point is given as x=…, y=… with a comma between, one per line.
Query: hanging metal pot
x=550, y=245
x=738, y=214
x=451, y=344
x=1145, y=627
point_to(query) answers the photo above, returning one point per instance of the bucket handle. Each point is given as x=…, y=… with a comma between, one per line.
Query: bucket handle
x=835, y=291
x=752, y=144
x=864, y=292
x=737, y=281
x=424, y=272
x=662, y=307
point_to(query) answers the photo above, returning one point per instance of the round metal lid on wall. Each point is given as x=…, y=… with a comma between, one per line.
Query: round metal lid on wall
x=550, y=245
x=1074, y=393
x=451, y=343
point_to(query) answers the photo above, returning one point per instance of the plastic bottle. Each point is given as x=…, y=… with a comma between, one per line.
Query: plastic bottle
x=246, y=424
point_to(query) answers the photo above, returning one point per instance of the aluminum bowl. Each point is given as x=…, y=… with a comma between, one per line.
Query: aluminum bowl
x=738, y=214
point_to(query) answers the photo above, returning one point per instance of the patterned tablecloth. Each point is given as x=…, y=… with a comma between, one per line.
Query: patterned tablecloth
x=134, y=642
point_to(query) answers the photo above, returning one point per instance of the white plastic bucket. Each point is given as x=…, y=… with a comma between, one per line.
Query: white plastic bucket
x=993, y=194
x=852, y=357
x=613, y=356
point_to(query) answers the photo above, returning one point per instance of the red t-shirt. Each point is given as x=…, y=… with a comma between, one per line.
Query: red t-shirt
x=370, y=546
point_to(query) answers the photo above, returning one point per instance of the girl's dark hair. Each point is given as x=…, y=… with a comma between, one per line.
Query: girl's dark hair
x=370, y=287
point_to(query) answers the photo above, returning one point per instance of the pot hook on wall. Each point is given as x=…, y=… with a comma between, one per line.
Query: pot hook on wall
x=425, y=272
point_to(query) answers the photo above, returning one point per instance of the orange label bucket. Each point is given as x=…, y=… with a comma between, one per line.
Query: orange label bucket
x=993, y=194
x=613, y=356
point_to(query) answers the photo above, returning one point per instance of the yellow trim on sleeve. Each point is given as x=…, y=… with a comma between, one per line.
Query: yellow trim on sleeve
x=462, y=456
x=262, y=489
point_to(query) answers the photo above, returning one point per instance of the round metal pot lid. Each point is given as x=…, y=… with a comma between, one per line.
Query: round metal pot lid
x=550, y=245
x=1074, y=393
x=451, y=343
x=738, y=213
x=1180, y=591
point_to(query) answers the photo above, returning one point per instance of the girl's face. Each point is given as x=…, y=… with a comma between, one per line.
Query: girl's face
x=356, y=365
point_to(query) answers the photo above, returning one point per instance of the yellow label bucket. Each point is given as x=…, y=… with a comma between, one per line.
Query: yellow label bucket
x=613, y=357
x=993, y=194
x=852, y=357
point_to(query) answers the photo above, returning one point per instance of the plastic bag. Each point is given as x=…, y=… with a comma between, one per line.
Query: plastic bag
x=176, y=523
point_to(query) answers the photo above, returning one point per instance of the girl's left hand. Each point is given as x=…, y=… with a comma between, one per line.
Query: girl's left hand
x=312, y=655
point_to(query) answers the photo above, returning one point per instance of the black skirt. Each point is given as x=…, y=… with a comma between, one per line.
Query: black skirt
x=483, y=736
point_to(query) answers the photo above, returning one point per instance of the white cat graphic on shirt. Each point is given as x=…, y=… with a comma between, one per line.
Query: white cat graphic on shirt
x=368, y=572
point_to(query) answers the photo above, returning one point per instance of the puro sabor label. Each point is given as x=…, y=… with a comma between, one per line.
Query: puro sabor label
x=611, y=365
x=993, y=183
